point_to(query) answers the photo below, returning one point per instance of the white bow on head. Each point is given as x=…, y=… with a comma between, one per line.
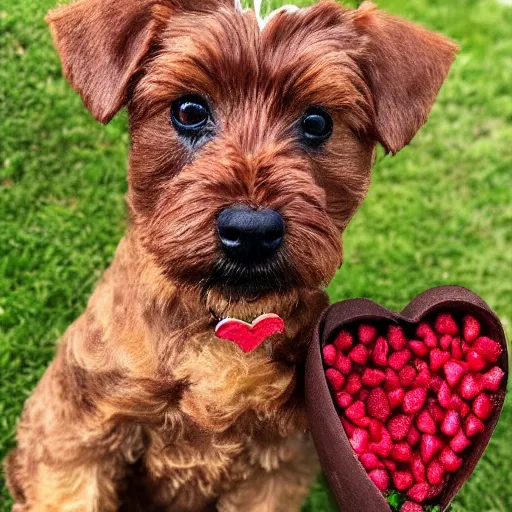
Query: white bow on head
x=257, y=10
x=262, y=21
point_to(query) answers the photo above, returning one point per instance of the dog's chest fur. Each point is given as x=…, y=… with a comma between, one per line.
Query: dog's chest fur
x=227, y=431
x=231, y=425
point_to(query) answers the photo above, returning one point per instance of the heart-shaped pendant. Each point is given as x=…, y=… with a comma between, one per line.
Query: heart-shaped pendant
x=250, y=336
x=405, y=401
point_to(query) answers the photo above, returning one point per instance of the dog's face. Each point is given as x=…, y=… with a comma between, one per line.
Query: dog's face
x=251, y=145
x=249, y=155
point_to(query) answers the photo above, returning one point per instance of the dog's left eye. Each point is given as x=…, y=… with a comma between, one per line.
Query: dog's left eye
x=190, y=114
x=316, y=126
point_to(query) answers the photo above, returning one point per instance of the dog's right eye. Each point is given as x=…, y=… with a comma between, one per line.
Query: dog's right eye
x=317, y=126
x=189, y=115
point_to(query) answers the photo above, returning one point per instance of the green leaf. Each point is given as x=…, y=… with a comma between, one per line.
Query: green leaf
x=435, y=508
x=395, y=499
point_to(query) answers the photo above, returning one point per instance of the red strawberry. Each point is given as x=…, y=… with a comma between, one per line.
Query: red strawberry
x=425, y=332
x=343, y=399
x=464, y=409
x=330, y=353
x=366, y=333
x=470, y=386
x=409, y=506
x=435, y=383
x=482, y=406
x=471, y=328
x=475, y=361
x=380, y=478
x=347, y=427
x=343, y=363
x=429, y=446
x=435, y=473
x=489, y=349
x=396, y=338
x=378, y=405
x=435, y=491
x=398, y=360
x=459, y=442
x=449, y=460
x=363, y=394
x=403, y=480
x=383, y=447
x=413, y=437
x=451, y=423
x=457, y=352
x=359, y=354
x=436, y=411
x=418, y=348
x=344, y=340
x=420, y=365
x=423, y=378
x=376, y=430
x=335, y=379
x=426, y=423
x=370, y=461
x=473, y=426
x=356, y=411
x=390, y=464
x=454, y=372
x=465, y=347
x=359, y=440
x=492, y=379
x=438, y=358
x=401, y=452
x=396, y=397
x=372, y=377
x=444, y=395
x=445, y=342
x=445, y=324
x=418, y=470
x=353, y=384
x=456, y=403
x=414, y=400
x=392, y=380
x=380, y=352
x=363, y=422
x=418, y=493
x=399, y=426
x=407, y=375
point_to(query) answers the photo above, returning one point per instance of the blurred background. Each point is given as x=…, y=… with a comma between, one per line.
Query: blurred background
x=440, y=212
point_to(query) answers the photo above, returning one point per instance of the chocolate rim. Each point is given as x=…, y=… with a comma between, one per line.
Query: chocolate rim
x=348, y=480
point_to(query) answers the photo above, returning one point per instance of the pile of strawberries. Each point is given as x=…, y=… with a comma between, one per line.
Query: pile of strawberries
x=412, y=407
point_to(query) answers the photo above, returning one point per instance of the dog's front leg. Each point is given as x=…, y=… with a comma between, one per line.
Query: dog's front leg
x=81, y=488
x=280, y=484
x=68, y=459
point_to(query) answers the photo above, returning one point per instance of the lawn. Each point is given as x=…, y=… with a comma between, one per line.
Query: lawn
x=438, y=213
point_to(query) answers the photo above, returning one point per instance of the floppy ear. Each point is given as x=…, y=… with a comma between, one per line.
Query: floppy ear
x=405, y=66
x=101, y=44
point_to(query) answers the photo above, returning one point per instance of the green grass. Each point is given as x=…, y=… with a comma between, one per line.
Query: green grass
x=439, y=212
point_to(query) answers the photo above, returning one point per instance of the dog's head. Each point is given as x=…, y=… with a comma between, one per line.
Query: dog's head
x=252, y=141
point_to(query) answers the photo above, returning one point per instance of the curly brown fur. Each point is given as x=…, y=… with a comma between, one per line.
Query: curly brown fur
x=144, y=408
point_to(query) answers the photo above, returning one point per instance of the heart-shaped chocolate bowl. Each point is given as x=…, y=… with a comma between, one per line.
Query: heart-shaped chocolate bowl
x=348, y=480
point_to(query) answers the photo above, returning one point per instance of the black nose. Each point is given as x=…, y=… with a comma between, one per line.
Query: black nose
x=250, y=236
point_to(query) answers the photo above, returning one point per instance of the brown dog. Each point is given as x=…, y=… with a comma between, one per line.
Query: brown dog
x=252, y=145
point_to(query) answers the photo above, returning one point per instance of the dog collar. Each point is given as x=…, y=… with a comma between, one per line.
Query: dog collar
x=250, y=336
